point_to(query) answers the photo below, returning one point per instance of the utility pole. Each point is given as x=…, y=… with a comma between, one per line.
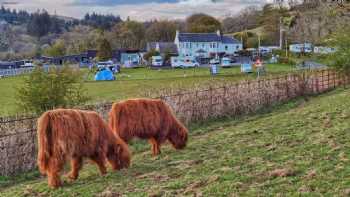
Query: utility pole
x=281, y=34
x=259, y=39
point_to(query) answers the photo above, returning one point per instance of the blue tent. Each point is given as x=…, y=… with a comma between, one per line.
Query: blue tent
x=104, y=75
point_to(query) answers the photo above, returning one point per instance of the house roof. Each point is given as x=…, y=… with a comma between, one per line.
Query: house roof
x=229, y=40
x=206, y=37
x=163, y=47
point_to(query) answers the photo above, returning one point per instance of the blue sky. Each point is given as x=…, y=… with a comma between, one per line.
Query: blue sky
x=138, y=9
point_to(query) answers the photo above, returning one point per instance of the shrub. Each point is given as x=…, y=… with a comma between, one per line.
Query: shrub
x=50, y=88
x=341, y=58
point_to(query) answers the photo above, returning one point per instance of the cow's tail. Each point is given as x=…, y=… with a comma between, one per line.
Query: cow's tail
x=44, y=139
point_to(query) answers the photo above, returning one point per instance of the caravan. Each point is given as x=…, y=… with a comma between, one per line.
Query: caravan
x=157, y=61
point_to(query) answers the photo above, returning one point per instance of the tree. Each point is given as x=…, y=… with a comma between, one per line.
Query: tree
x=129, y=34
x=161, y=31
x=341, y=42
x=59, y=87
x=56, y=50
x=147, y=56
x=39, y=24
x=202, y=23
x=247, y=19
x=104, y=50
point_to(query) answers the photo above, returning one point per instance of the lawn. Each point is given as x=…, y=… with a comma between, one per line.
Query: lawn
x=138, y=82
x=301, y=148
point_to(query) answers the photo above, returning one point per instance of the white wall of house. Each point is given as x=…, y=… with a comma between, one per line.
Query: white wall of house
x=230, y=48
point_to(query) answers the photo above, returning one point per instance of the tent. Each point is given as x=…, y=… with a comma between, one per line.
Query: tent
x=104, y=75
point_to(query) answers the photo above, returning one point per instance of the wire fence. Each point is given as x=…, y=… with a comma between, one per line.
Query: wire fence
x=18, y=134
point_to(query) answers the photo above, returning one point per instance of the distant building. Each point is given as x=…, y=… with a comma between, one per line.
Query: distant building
x=129, y=57
x=205, y=45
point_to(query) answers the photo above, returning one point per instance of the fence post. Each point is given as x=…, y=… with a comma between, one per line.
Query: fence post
x=211, y=100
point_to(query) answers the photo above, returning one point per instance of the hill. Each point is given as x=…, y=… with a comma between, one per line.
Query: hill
x=300, y=148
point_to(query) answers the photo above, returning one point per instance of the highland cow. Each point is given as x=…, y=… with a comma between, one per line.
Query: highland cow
x=150, y=119
x=74, y=134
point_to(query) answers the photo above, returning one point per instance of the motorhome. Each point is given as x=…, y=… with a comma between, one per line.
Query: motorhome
x=157, y=61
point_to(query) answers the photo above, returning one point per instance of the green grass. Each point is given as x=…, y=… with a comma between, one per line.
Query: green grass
x=232, y=157
x=138, y=82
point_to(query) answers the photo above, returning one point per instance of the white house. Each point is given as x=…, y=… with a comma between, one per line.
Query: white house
x=205, y=45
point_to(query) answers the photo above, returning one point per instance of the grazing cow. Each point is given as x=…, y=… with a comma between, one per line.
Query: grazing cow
x=150, y=119
x=74, y=134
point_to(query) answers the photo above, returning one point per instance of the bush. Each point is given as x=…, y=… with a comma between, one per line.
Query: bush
x=57, y=87
x=341, y=58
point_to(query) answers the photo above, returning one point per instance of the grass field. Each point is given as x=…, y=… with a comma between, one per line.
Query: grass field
x=137, y=82
x=301, y=148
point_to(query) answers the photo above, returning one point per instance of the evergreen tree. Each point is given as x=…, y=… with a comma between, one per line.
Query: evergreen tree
x=104, y=50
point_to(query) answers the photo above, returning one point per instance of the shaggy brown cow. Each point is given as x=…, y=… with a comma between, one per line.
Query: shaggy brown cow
x=74, y=134
x=147, y=119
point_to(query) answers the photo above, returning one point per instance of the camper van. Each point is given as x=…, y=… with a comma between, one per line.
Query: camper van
x=157, y=61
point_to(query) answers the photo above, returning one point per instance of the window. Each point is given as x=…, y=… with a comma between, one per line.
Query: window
x=211, y=46
x=197, y=45
x=214, y=45
x=186, y=44
x=226, y=47
x=203, y=45
x=190, y=45
x=237, y=47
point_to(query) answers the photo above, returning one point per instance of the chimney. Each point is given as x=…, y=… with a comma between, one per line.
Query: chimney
x=218, y=32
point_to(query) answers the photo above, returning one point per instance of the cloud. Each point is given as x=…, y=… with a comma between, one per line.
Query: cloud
x=139, y=9
x=117, y=2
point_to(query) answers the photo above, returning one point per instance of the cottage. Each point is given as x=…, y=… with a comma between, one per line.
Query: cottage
x=205, y=45
x=129, y=57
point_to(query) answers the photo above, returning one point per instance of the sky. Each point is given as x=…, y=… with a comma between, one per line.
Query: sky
x=136, y=9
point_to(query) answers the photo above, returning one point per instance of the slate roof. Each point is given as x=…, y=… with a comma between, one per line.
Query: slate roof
x=206, y=37
x=163, y=47
x=229, y=40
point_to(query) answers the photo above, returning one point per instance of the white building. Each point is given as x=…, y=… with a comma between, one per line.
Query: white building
x=205, y=45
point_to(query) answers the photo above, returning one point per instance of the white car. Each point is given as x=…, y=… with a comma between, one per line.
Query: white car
x=107, y=64
x=214, y=61
x=28, y=63
x=177, y=62
x=226, y=62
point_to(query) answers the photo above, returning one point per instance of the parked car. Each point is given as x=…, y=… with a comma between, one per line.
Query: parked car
x=157, y=61
x=227, y=62
x=183, y=63
x=28, y=63
x=214, y=61
x=106, y=64
x=109, y=65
